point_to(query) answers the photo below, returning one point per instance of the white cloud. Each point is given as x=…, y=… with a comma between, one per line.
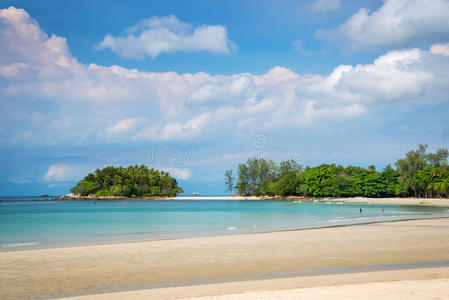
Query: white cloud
x=178, y=173
x=64, y=172
x=123, y=128
x=395, y=23
x=125, y=125
x=223, y=90
x=12, y=69
x=175, y=130
x=325, y=5
x=298, y=46
x=80, y=103
x=442, y=49
x=19, y=179
x=156, y=35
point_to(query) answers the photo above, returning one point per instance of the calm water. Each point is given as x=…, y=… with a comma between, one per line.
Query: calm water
x=28, y=224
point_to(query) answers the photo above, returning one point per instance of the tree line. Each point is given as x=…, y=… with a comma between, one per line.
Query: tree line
x=132, y=181
x=418, y=174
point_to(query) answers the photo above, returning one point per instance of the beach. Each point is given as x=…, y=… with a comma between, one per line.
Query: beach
x=443, y=202
x=239, y=262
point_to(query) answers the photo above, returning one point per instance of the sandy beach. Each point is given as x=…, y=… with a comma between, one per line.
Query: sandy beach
x=425, y=283
x=398, y=201
x=401, y=201
x=217, y=198
x=198, y=262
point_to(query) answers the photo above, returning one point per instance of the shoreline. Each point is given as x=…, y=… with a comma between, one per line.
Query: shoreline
x=133, y=266
x=372, y=222
x=444, y=202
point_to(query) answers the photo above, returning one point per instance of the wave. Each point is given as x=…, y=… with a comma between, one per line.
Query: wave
x=18, y=245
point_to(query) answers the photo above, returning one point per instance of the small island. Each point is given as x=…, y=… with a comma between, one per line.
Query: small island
x=130, y=182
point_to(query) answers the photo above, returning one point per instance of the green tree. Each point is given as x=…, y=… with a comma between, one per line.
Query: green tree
x=407, y=167
x=229, y=181
x=390, y=181
x=132, y=181
x=242, y=185
x=287, y=185
x=289, y=166
x=438, y=158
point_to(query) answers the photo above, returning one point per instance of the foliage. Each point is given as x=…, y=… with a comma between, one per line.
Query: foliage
x=418, y=174
x=229, y=181
x=255, y=176
x=133, y=181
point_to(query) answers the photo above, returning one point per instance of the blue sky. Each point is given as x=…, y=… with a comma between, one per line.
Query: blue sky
x=196, y=87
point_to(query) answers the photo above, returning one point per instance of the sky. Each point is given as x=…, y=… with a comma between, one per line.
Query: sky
x=197, y=87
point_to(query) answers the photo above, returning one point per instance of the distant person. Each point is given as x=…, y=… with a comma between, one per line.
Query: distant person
x=360, y=210
x=383, y=209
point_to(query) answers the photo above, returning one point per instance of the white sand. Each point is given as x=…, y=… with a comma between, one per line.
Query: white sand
x=402, y=201
x=413, y=289
x=216, y=198
x=138, y=265
x=425, y=283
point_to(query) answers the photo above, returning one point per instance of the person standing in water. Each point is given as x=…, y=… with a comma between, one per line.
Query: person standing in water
x=360, y=210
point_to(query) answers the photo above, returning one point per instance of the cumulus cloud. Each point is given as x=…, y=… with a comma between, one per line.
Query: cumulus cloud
x=123, y=128
x=395, y=23
x=48, y=97
x=12, y=69
x=64, y=173
x=178, y=173
x=442, y=49
x=298, y=46
x=156, y=35
x=223, y=90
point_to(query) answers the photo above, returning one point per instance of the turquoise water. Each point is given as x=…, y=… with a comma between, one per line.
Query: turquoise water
x=26, y=224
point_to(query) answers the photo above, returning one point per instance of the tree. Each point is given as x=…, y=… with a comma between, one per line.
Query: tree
x=229, y=181
x=431, y=181
x=414, y=175
x=317, y=178
x=242, y=185
x=390, y=181
x=255, y=176
x=407, y=167
x=289, y=166
x=419, y=173
x=287, y=185
x=133, y=181
x=438, y=158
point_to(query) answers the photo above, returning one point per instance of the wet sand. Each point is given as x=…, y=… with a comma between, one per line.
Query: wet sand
x=92, y=269
x=426, y=283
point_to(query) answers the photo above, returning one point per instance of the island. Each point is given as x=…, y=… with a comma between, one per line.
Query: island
x=123, y=183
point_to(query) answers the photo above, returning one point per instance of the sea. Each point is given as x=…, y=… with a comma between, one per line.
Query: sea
x=28, y=224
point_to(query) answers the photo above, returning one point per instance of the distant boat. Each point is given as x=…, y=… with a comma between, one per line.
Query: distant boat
x=44, y=195
x=195, y=193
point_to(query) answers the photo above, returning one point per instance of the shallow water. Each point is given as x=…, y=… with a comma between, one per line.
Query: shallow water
x=26, y=224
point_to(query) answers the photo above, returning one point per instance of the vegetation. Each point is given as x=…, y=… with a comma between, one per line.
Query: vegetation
x=419, y=174
x=133, y=181
x=229, y=181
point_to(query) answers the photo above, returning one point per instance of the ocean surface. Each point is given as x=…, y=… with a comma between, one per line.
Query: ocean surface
x=26, y=224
